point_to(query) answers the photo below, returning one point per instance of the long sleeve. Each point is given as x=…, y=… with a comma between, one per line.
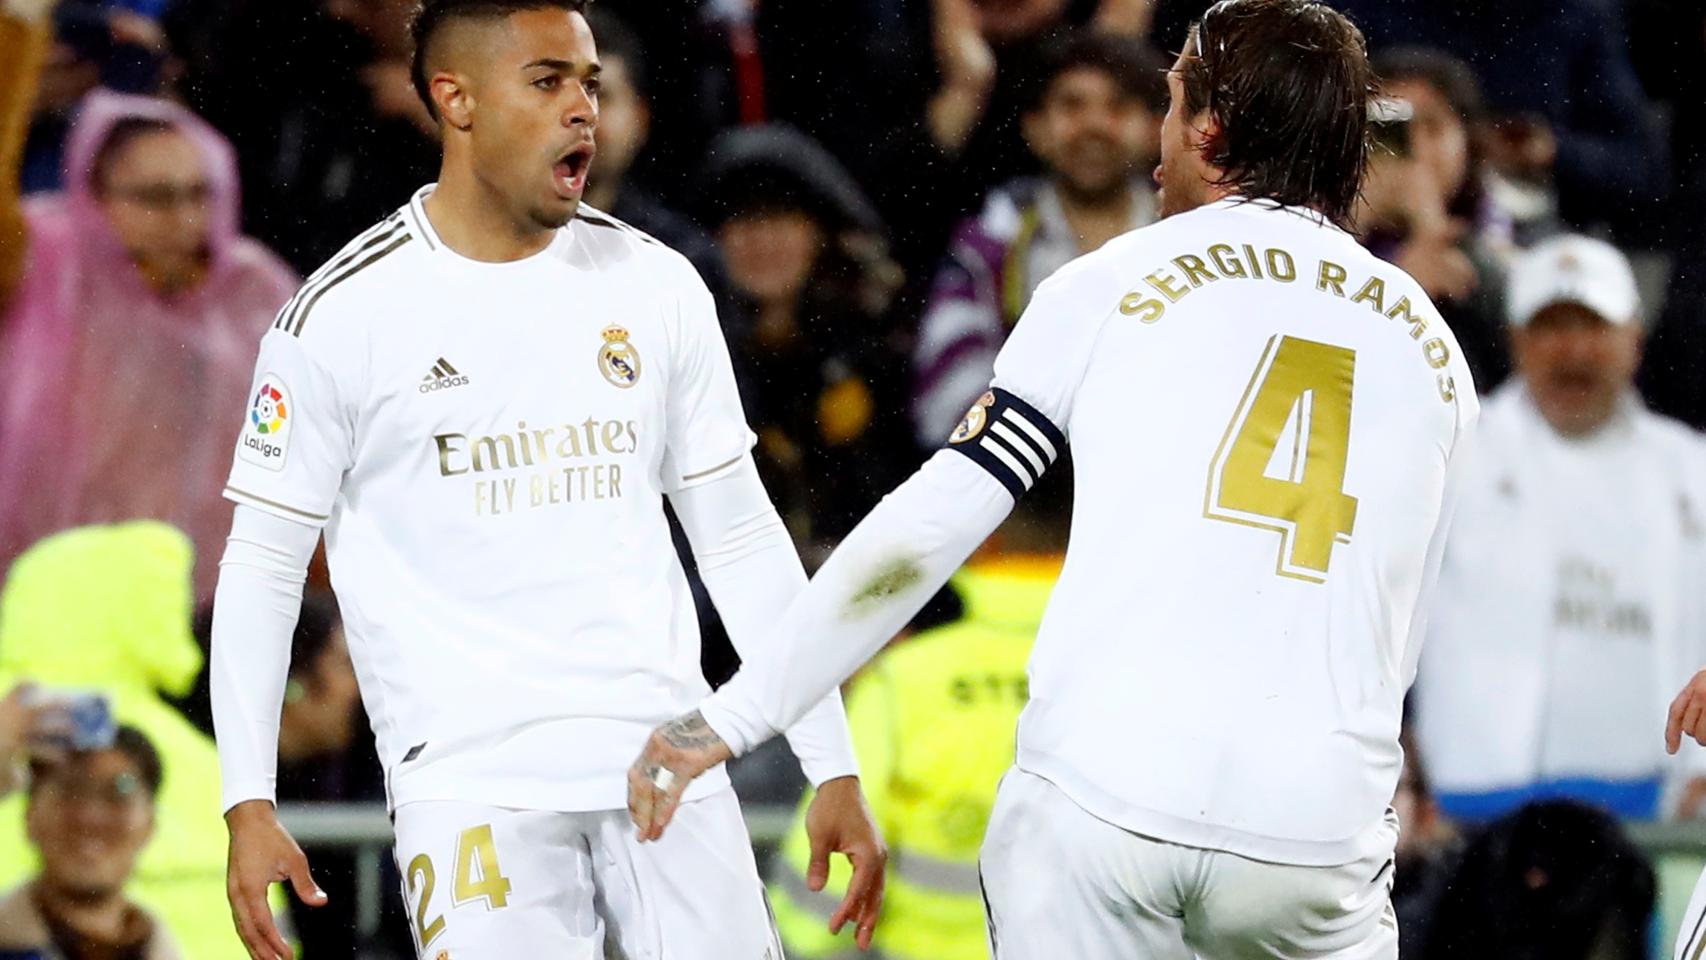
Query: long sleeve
x=25, y=42
x=254, y=613
x=879, y=577
x=750, y=567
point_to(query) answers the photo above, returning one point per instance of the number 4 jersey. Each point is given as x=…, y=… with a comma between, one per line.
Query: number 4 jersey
x=1266, y=422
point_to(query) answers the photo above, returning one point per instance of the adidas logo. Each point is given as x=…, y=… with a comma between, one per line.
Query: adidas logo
x=442, y=377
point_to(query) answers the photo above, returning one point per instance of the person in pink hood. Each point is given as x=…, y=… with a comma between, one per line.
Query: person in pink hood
x=130, y=306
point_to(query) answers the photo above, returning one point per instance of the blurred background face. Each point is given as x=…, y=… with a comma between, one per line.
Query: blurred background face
x=1439, y=140
x=530, y=118
x=770, y=254
x=321, y=720
x=623, y=122
x=1091, y=133
x=1576, y=365
x=155, y=194
x=90, y=817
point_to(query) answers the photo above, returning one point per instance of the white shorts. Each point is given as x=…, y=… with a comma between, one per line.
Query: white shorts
x=484, y=883
x=1691, y=938
x=1059, y=882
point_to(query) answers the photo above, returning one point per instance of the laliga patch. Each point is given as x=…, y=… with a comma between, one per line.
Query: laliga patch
x=266, y=431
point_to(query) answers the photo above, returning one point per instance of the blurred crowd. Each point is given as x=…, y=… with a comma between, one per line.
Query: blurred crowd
x=872, y=189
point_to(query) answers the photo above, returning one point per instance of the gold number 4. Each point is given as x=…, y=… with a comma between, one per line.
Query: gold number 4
x=477, y=873
x=477, y=877
x=1301, y=390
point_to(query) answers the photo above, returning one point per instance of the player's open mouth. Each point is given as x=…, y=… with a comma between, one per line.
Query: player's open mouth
x=569, y=172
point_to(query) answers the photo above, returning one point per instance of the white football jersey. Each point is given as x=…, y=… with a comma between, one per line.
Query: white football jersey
x=486, y=445
x=1266, y=423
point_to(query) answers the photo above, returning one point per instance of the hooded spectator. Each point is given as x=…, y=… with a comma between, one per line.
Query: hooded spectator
x=130, y=306
x=822, y=378
x=108, y=609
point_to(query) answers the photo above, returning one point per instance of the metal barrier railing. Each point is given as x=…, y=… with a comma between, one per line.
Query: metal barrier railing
x=367, y=829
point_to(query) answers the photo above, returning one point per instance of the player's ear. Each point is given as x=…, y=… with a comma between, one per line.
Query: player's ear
x=454, y=100
x=1202, y=132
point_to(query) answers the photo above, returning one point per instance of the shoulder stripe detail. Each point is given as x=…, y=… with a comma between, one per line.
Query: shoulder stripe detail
x=308, y=306
x=232, y=491
x=375, y=235
x=1017, y=444
x=705, y=473
x=600, y=219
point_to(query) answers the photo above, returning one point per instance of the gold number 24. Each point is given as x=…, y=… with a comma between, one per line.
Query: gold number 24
x=1309, y=384
x=477, y=877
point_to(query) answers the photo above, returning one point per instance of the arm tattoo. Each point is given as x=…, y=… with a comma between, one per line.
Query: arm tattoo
x=690, y=732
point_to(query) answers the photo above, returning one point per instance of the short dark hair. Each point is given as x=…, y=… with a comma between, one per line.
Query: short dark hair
x=1290, y=83
x=1133, y=65
x=136, y=747
x=431, y=15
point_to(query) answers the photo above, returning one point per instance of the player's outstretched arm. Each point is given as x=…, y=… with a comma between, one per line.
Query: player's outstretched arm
x=1687, y=715
x=254, y=613
x=879, y=577
x=750, y=567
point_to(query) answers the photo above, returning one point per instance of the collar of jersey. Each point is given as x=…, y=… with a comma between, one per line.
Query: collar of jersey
x=423, y=228
x=1262, y=203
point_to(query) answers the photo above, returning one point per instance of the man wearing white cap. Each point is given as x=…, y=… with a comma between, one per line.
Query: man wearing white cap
x=1569, y=607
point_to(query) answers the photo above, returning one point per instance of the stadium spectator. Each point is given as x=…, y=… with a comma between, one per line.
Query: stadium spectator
x=624, y=125
x=933, y=721
x=1551, y=881
x=129, y=310
x=1569, y=602
x=1567, y=109
x=1428, y=847
x=108, y=609
x=1094, y=123
x=822, y=381
x=1432, y=202
x=116, y=44
x=90, y=816
x=316, y=97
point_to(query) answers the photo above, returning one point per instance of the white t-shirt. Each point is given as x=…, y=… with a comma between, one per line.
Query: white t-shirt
x=1224, y=660
x=1569, y=605
x=487, y=445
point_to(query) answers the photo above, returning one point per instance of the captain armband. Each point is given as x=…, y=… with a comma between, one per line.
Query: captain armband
x=1009, y=439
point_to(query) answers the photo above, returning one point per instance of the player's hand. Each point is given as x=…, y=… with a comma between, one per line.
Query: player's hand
x=838, y=821
x=1687, y=714
x=675, y=754
x=263, y=853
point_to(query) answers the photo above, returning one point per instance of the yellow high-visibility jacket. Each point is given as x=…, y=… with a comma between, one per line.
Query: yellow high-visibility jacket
x=933, y=726
x=108, y=608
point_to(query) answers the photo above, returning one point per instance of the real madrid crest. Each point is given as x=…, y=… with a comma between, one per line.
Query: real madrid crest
x=617, y=359
x=974, y=420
